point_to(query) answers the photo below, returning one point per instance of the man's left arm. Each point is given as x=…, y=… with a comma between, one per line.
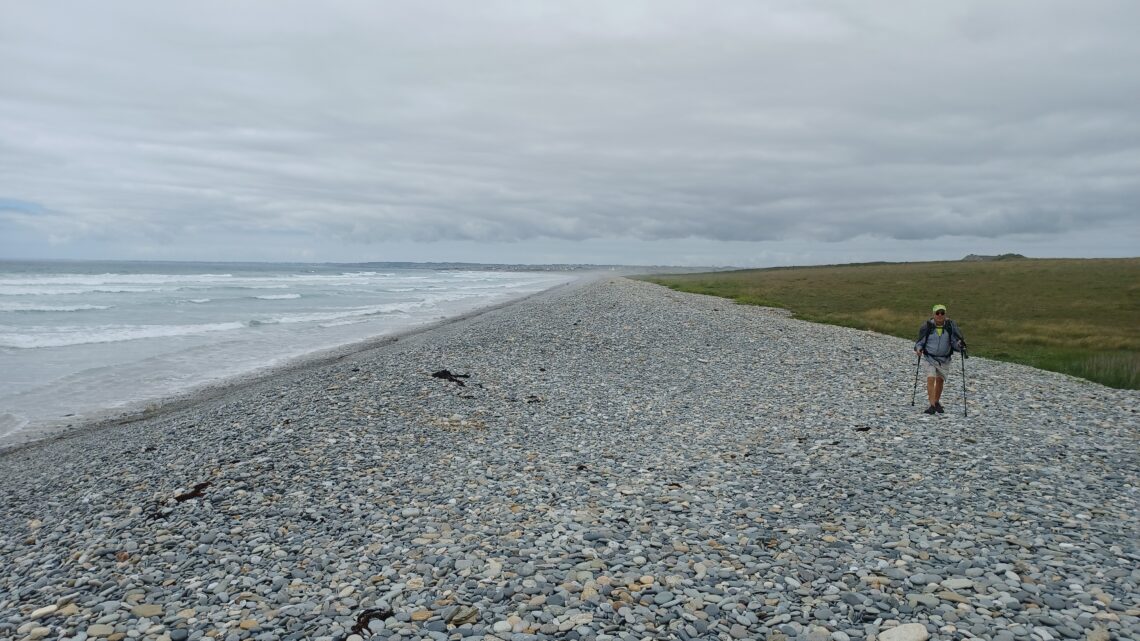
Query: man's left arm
x=960, y=338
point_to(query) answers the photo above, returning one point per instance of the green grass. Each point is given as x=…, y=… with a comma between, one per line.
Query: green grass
x=1076, y=316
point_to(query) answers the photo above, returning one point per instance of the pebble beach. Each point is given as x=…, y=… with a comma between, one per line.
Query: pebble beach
x=607, y=460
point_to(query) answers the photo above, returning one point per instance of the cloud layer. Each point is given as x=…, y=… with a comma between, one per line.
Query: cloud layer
x=371, y=123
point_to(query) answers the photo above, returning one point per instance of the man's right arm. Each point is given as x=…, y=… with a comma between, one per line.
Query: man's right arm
x=923, y=332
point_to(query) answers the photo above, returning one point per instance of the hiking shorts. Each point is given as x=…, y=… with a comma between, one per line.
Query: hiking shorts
x=935, y=368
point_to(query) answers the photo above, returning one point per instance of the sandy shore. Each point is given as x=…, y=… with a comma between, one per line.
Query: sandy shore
x=612, y=460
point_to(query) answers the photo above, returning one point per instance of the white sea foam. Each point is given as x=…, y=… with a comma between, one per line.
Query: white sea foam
x=92, y=280
x=199, y=301
x=279, y=296
x=42, y=290
x=74, y=284
x=35, y=337
x=356, y=312
x=351, y=321
x=34, y=307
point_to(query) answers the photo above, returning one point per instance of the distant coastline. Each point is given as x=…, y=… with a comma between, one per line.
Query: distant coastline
x=436, y=265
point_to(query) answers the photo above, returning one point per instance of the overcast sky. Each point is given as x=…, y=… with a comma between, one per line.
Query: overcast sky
x=635, y=132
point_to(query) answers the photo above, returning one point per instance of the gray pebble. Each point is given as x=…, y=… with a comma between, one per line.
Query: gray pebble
x=608, y=431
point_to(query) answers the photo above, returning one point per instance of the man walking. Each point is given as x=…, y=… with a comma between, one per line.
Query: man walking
x=938, y=339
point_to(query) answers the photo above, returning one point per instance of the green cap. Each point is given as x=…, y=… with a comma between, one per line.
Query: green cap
x=938, y=307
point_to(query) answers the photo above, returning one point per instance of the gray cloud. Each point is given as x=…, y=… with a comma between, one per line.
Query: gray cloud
x=377, y=122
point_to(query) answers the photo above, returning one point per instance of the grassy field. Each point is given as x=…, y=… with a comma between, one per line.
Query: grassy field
x=1077, y=316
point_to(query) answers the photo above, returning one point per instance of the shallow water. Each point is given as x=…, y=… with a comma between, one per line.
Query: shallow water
x=81, y=339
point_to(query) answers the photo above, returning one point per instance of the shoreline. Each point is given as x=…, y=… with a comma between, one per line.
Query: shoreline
x=613, y=461
x=209, y=392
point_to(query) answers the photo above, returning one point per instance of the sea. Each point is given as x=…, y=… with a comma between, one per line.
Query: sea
x=85, y=341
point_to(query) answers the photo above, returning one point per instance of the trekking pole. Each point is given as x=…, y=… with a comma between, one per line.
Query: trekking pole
x=964, y=357
x=915, y=392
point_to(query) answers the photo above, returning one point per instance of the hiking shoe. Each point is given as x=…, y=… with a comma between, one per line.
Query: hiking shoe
x=938, y=408
x=929, y=410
